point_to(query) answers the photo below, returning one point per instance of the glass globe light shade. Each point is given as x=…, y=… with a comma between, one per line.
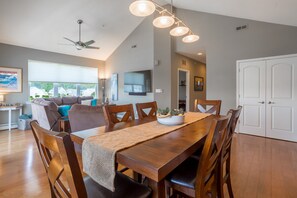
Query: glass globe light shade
x=179, y=31
x=190, y=38
x=142, y=8
x=163, y=21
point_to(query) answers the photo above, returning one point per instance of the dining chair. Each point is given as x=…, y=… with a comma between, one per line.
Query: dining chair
x=59, y=159
x=208, y=106
x=199, y=178
x=149, y=106
x=82, y=117
x=112, y=114
x=226, y=152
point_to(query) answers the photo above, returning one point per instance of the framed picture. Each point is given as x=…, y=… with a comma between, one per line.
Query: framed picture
x=10, y=80
x=198, y=83
x=114, y=87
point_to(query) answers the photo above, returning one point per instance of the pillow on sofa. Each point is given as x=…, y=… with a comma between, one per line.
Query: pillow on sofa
x=94, y=102
x=63, y=110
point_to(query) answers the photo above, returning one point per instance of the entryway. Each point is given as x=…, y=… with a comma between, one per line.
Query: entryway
x=183, y=89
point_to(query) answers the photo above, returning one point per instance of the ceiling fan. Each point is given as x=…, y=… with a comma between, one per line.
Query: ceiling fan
x=79, y=44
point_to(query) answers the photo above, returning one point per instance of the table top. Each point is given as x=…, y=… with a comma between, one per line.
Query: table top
x=157, y=157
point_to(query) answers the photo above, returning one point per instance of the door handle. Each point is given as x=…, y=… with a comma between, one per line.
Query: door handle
x=270, y=102
x=261, y=102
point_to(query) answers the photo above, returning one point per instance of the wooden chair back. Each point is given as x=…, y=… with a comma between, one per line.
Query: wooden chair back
x=208, y=106
x=232, y=126
x=111, y=113
x=208, y=169
x=151, y=106
x=59, y=159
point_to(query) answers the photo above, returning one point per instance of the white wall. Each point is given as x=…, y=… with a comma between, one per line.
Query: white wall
x=126, y=58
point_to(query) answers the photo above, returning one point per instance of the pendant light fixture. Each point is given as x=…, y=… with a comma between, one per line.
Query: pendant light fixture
x=179, y=30
x=190, y=38
x=163, y=21
x=144, y=8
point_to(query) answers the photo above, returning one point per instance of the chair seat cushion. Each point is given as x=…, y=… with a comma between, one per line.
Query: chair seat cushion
x=125, y=187
x=185, y=174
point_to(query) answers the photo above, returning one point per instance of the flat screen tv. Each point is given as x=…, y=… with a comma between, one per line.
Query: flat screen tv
x=138, y=82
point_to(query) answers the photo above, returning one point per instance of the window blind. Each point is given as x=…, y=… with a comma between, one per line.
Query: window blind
x=55, y=72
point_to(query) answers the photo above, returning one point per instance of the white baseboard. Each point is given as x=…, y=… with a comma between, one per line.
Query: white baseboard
x=5, y=126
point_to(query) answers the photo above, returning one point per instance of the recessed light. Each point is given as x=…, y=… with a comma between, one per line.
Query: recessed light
x=200, y=54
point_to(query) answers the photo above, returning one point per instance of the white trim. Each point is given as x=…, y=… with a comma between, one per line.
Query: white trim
x=266, y=58
x=6, y=127
x=187, y=87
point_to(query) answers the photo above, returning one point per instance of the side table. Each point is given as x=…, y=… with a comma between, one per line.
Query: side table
x=10, y=109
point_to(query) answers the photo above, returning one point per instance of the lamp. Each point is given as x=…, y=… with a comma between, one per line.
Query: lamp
x=103, y=89
x=163, y=21
x=1, y=98
x=179, y=30
x=144, y=8
x=190, y=38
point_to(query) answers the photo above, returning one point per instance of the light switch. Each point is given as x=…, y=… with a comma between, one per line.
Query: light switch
x=159, y=90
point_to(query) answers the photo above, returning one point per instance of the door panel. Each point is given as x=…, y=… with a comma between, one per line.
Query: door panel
x=281, y=97
x=252, y=97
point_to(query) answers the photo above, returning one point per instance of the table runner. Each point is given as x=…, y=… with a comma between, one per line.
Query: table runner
x=98, y=152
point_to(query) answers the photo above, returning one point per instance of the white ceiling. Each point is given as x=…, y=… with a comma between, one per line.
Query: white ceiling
x=272, y=11
x=42, y=24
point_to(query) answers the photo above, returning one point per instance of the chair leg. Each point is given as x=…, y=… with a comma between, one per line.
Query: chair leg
x=228, y=180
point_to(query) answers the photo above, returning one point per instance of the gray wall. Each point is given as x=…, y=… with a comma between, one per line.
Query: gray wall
x=196, y=68
x=224, y=45
x=126, y=58
x=14, y=56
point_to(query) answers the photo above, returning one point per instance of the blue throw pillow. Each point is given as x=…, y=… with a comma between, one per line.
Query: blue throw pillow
x=63, y=110
x=94, y=102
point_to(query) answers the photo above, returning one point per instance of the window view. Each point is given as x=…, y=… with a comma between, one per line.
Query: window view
x=58, y=80
x=49, y=89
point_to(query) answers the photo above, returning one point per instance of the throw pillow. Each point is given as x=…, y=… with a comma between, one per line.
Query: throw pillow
x=94, y=102
x=63, y=110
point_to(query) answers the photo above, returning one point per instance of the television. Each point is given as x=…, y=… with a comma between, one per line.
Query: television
x=138, y=82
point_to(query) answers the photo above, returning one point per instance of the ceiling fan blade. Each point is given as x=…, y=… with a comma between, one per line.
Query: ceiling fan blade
x=69, y=40
x=89, y=42
x=91, y=47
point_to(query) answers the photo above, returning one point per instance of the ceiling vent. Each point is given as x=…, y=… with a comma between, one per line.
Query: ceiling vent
x=243, y=27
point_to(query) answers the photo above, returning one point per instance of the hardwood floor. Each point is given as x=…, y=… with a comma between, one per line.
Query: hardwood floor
x=260, y=167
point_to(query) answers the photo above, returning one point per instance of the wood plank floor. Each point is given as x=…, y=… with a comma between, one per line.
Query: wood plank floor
x=260, y=167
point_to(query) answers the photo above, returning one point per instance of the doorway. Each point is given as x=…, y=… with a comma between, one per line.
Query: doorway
x=183, y=89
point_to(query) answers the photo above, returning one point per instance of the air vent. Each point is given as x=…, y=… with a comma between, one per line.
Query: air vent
x=241, y=27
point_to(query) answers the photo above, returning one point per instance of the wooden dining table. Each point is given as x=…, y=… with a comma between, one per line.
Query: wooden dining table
x=158, y=157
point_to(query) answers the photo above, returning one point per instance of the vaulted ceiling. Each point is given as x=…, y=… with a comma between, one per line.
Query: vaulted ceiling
x=42, y=24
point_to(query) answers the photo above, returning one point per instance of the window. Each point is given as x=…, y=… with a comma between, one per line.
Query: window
x=58, y=80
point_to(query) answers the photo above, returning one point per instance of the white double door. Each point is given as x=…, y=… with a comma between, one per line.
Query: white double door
x=268, y=94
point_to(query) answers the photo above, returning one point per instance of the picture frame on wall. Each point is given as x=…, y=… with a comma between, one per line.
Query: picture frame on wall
x=11, y=80
x=114, y=87
x=198, y=83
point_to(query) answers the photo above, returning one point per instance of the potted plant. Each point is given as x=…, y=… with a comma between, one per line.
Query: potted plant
x=171, y=117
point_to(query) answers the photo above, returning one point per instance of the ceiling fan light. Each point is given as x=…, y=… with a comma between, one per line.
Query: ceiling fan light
x=163, y=21
x=142, y=8
x=179, y=31
x=190, y=38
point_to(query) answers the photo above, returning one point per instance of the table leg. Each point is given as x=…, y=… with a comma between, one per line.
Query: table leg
x=9, y=119
x=158, y=188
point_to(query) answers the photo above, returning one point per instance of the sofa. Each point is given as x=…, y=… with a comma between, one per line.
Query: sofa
x=69, y=100
x=46, y=110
